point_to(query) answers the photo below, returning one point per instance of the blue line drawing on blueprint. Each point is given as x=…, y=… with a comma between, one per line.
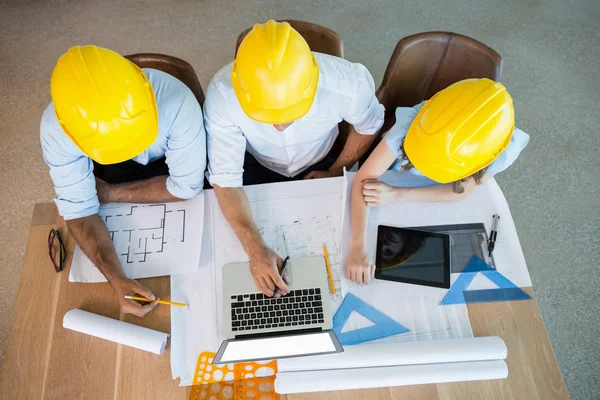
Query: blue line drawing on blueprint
x=143, y=230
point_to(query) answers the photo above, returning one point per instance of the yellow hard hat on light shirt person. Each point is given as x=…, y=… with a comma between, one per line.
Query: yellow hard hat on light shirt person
x=104, y=103
x=272, y=115
x=275, y=75
x=461, y=130
x=442, y=149
x=105, y=137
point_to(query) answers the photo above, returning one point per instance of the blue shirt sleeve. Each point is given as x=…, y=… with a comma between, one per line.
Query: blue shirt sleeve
x=71, y=170
x=186, y=150
x=404, y=118
x=518, y=142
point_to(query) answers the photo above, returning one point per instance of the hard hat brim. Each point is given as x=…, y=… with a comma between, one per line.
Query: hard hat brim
x=122, y=154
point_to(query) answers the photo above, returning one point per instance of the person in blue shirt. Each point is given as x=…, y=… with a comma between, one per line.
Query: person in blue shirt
x=441, y=149
x=116, y=133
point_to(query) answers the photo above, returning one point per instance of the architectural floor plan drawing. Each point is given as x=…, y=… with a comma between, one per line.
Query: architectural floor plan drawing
x=143, y=230
x=150, y=239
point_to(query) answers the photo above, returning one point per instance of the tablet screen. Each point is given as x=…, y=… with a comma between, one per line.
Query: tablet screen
x=412, y=256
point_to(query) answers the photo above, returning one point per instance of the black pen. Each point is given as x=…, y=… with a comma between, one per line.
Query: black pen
x=493, y=234
x=283, y=268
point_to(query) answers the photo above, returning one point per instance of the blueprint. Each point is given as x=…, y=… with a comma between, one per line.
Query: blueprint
x=150, y=239
x=304, y=223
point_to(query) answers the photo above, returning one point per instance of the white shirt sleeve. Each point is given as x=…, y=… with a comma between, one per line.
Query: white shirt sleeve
x=71, y=170
x=225, y=141
x=366, y=114
x=186, y=150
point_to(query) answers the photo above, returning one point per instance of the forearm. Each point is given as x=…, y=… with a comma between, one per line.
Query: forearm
x=432, y=194
x=355, y=147
x=236, y=209
x=92, y=236
x=440, y=193
x=359, y=214
x=153, y=190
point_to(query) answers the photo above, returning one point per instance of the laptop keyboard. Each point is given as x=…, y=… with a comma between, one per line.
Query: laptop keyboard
x=252, y=311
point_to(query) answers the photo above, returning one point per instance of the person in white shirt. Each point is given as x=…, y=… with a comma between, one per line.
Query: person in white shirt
x=272, y=115
x=116, y=133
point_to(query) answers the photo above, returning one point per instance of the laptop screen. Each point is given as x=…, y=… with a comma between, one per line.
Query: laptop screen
x=273, y=347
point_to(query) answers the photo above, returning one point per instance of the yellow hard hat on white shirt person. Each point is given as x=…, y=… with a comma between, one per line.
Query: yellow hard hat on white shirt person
x=272, y=115
x=442, y=149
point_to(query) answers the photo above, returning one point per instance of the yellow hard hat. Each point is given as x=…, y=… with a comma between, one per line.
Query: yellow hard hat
x=461, y=130
x=104, y=103
x=274, y=74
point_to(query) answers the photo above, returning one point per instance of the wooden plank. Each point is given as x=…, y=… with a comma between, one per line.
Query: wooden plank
x=142, y=374
x=421, y=392
x=29, y=339
x=532, y=366
x=82, y=366
x=44, y=214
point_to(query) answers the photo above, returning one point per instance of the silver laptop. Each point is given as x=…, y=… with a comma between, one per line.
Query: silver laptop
x=258, y=327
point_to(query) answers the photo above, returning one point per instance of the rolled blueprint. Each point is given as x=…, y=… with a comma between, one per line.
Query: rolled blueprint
x=382, y=354
x=363, y=378
x=115, y=331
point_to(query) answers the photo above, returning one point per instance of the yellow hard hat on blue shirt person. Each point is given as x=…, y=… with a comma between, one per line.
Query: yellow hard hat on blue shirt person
x=461, y=130
x=104, y=103
x=460, y=138
x=274, y=74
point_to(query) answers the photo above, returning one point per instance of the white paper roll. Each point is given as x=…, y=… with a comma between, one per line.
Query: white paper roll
x=384, y=354
x=115, y=331
x=363, y=378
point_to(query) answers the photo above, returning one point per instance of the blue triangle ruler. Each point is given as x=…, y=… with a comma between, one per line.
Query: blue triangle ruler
x=458, y=293
x=384, y=325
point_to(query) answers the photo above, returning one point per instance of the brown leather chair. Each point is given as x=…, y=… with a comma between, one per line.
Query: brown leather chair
x=319, y=39
x=425, y=63
x=174, y=66
x=322, y=40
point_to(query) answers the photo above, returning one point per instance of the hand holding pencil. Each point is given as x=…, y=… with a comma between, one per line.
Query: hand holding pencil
x=171, y=303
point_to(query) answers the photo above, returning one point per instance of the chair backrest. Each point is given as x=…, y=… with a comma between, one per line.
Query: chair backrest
x=425, y=63
x=174, y=66
x=319, y=39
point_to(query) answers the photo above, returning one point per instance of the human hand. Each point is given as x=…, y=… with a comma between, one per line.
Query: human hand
x=125, y=286
x=320, y=174
x=103, y=190
x=358, y=267
x=265, y=266
x=376, y=193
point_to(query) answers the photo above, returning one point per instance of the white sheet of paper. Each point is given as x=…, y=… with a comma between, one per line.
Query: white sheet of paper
x=308, y=213
x=150, y=239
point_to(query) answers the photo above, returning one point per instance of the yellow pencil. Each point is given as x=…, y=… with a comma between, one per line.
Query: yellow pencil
x=328, y=269
x=171, y=303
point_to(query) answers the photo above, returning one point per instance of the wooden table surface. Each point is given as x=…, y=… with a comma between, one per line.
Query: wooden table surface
x=45, y=361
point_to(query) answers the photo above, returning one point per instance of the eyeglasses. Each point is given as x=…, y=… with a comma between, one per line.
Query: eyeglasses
x=52, y=252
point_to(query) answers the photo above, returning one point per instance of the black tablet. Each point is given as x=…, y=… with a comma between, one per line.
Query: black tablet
x=412, y=256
